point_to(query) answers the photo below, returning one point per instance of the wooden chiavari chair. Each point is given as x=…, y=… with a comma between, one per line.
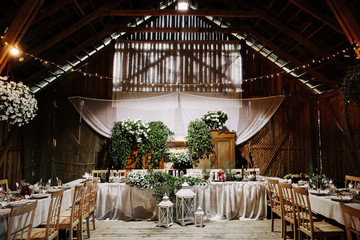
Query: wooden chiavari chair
x=4, y=185
x=21, y=226
x=96, y=173
x=351, y=179
x=288, y=207
x=74, y=220
x=51, y=230
x=305, y=219
x=86, y=206
x=93, y=195
x=351, y=221
x=275, y=202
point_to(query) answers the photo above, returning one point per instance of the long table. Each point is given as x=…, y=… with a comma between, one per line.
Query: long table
x=324, y=206
x=41, y=212
x=219, y=200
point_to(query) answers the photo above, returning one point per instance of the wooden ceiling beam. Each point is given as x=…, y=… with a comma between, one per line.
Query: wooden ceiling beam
x=178, y=30
x=51, y=9
x=72, y=52
x=287, y=56
x=18, y=28
x=347, y=21
x=317, y=14
x=190, y=12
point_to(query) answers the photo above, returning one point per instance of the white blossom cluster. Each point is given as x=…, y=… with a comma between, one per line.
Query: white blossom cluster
x=181, y=159
x=215, y=119
x=138, y=179
x=17, y=104
x=139, y=129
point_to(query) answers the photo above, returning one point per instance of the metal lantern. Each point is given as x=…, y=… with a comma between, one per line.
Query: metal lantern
x=185, y=205
x=165, y=212
x=199, y=217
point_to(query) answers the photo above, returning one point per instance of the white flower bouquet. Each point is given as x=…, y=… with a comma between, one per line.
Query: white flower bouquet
x=215, y=119
x=181, y=159
x=17, y=104
x=139, y=179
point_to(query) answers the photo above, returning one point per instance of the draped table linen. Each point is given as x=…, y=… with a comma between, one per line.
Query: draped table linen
x=219, y=200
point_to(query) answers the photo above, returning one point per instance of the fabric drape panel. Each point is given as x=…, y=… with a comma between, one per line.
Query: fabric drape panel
x=176, y=110
x=159, y=66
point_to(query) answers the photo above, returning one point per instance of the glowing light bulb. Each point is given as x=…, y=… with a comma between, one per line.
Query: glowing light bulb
x=14, y=51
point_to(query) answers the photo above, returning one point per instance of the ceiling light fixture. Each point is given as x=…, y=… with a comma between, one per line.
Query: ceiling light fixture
x=14, y=51
x=183, y=5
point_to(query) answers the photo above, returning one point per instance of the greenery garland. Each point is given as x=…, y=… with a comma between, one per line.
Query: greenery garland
x=200, y=143
x=351, y=86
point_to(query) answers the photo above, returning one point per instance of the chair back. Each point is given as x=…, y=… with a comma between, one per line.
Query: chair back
x=196, y=172
x=288, y=205
x=351, y=179
x=351, y=221
x=87, y=197
x=96, y=173
x=274, y=195
x=122, y=173
x=52, y=223
x=303, y=209
x=77, y=204
x=24, y=221
x=93, y=195
x=236, y=171
x=5, y=185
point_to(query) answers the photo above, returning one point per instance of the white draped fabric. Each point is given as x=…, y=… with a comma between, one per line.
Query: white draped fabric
x=220, y=201
x=176, y=110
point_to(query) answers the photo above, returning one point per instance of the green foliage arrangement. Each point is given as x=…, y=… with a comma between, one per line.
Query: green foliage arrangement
x=157, y=145
x=215, y=119
x=199, y=138
x=161, y=183
x=147, y=140
x=351, y=86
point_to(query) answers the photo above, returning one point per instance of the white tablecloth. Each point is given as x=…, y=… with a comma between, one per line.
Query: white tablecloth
x=41, y=212
x=233, y=200
x=323, y=205
x=228, y=200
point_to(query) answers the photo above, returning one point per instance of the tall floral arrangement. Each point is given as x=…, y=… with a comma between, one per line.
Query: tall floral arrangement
x=215, y=119
x=17, y=104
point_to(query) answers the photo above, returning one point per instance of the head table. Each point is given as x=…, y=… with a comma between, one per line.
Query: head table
x=219, y=201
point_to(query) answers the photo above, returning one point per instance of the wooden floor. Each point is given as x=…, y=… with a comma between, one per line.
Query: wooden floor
x=234, y=229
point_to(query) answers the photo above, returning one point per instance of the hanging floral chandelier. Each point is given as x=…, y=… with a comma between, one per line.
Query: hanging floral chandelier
x=17, y=104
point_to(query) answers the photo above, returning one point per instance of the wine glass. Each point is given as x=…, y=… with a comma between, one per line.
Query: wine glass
x=350, y=186
x=59, y=182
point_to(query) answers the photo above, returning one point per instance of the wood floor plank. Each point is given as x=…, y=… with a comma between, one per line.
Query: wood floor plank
x=234, y=229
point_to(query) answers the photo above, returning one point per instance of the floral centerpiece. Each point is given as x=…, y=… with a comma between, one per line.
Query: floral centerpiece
x=181, y=159
x=215, y=119
x=17, y=104
x=297, y=177
x=139, y=179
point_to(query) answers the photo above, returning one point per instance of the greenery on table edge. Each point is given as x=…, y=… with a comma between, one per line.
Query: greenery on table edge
x=200, y=142
x=137, y=140
x=161, y=183
x=351, y=86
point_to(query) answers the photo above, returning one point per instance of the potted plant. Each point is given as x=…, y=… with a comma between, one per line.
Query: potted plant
x=181, y=160
x=215, y=119
x=200, y=142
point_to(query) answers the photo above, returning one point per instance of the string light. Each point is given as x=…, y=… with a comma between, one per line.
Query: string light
x=344, y=52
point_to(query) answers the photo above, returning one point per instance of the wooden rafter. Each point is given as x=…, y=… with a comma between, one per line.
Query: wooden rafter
x=347, y=22
x=178, y=30
x=317, y=14
x=52, y=8
x=190, y=12
x=18, y=28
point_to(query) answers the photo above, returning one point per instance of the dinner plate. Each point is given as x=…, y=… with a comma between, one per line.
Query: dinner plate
x=338, y=199
x=39, y=196
x=16, y=204
x=319, y=193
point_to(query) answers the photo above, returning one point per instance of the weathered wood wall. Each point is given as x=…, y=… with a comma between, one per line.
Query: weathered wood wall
x=59, y=143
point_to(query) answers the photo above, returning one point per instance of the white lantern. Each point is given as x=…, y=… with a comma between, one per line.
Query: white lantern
x=165, y=212
x=185, y=205
x=199, y=217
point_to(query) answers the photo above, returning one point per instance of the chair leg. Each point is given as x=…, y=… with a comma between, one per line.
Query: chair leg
x=88, y=226
x=81, y=229
x=93, y=219
x=272, y=221
x=283, y=228
x=71, y=232
x=78, y=231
